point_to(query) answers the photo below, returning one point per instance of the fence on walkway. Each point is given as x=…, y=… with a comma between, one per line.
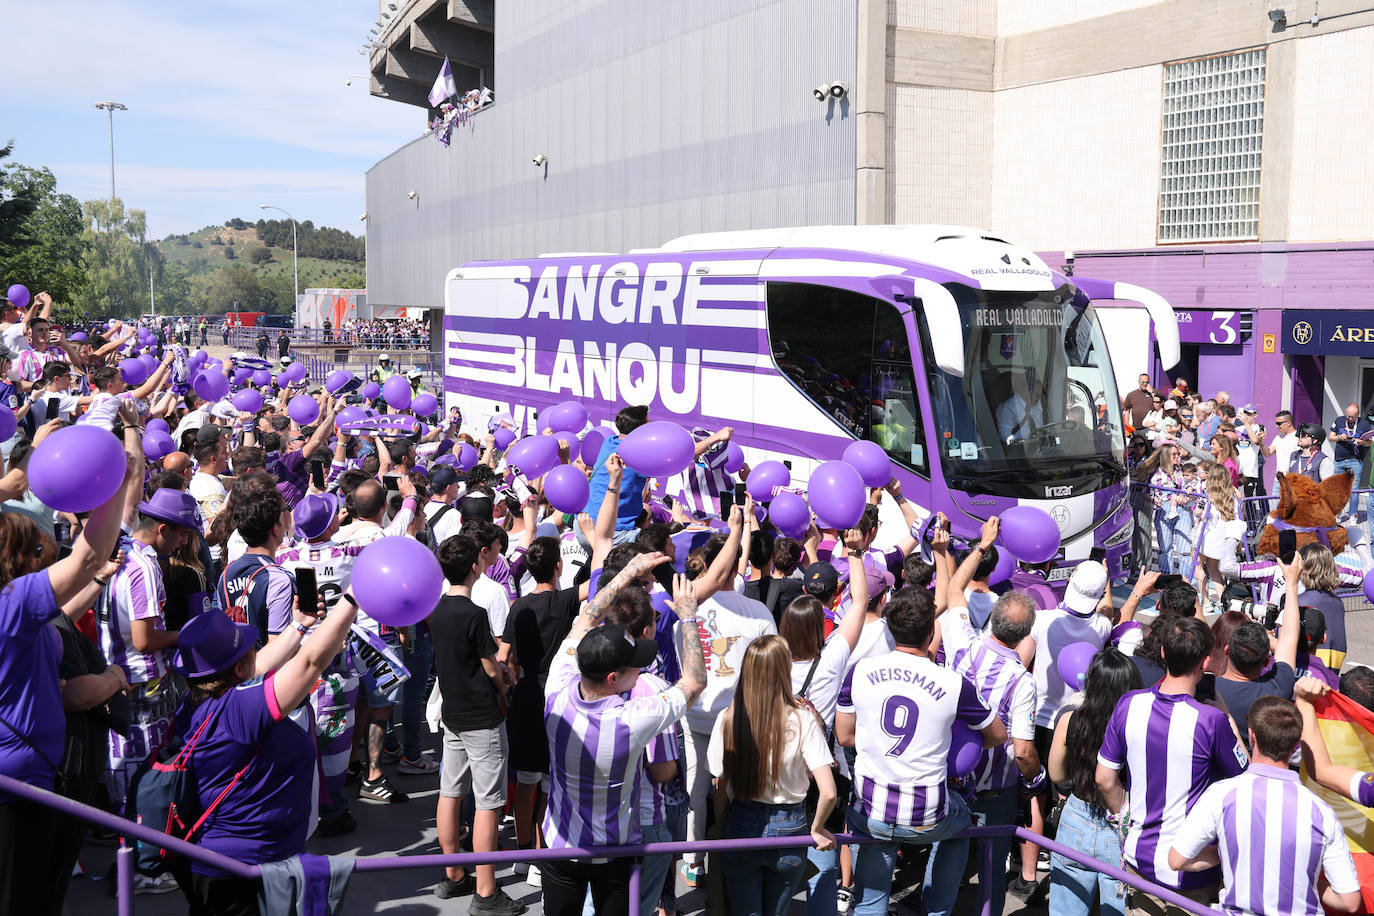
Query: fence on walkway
x=989, y=870
x=324, y=351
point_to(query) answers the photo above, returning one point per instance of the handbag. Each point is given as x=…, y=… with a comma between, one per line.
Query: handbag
x=835, y=822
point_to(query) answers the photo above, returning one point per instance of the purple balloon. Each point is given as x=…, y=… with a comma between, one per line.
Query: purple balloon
x=535, y=456
x=150, y=362
x=790, y=514
x=242, y=375
x=1030, y=534
x=197, y=359
x=424, y=404
x=1005, y=566
x=19, y=295
x=870, y=461
x=350, y=414
x=77, y=468
x=211, y=385
x=8, y=424
x=371, y=391
x=766, y=478
x=303, y=409
x=262, y=377
x=133, y=371
x=396, y=390
x=504, y=437
x=335, y=381
x=249, y=400
x=658, y=449
x=158, y=423
x=78, y=337
x=574, y=443
x=1368, y=581
x=1073, y=661
x=965, y=749
x=565, y=415
x=590, y=450
x=566, y=488
x=467, y=457
x=734, y=458
x=837, y=494
x=398, y=581
x=295, y=372
x=157, y=444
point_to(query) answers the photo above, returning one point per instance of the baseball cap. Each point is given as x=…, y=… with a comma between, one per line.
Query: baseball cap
x=442, y=477
x=1171, y=404
x=609, y=648
x=820, y=580
x=209, y=433
x=1249, y=408
x=879, y=578
x=1086, y=587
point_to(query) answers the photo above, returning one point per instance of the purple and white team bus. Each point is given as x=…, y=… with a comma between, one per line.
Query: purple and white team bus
x=983, y=373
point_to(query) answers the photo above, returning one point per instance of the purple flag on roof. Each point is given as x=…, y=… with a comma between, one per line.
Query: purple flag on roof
x=444, y=85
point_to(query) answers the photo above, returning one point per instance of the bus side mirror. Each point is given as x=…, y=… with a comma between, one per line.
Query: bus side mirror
x=943, y=322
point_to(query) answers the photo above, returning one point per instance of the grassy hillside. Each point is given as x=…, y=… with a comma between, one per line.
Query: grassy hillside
x=207, y=251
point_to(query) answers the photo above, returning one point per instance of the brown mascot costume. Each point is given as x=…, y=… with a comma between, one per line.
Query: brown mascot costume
x=1310, y=509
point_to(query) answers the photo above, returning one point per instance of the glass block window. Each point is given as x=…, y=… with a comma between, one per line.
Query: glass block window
x=1210, y=168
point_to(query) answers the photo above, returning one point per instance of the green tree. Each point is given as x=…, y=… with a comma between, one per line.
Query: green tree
x=120, y=257
x=48, y=255
x=235, y=284
x=260, y=255
x=174, y=290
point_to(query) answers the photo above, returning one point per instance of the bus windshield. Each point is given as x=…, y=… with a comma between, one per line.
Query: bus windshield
x=1036, y=408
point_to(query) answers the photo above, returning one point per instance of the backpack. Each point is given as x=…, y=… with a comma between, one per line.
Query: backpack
x=162, y=795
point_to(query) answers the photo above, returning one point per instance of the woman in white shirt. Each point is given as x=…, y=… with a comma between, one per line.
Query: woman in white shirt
x=764, y=752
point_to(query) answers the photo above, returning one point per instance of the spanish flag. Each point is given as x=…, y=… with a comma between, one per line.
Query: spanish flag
x=1349, y=732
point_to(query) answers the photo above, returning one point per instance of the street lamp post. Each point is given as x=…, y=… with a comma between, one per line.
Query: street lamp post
x=111, y=108
x=295, y=262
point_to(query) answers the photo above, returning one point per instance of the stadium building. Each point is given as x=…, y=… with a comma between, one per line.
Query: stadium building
x=1217, y=151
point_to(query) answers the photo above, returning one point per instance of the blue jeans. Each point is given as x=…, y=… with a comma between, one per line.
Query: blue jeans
x=417, y=659
x=653, y=869
x=1352, y=465
x=762, y=882
x=1073, y=886
x=997, y=807
x=1166, y=531
x=1183, y=542
x=873, y=868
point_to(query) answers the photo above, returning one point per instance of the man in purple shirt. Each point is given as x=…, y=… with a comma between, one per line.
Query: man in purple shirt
x=1173, y=748
x=292, y=470
x=1276, y=841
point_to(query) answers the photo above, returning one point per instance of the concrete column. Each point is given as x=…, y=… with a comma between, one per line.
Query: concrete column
x=1276, y=151
x=870, y=103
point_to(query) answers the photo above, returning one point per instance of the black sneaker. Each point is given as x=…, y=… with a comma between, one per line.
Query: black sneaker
x=383, y=791
x=1025, y=890
x=337, y=826
x=461, y=888
x=498, y=904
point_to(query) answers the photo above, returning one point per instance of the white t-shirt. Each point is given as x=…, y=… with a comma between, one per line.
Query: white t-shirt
x=728, y=623
x=490, y=594
x=804, y=749
x=874, y=639
x=1284, y=447
x=1248, y=457
x=66, y=406
x=824, y=689
x=1053, y=630
x=13, y=336
x=574, y=555
x=448, y=526
x=102, y=411
x=205, y=487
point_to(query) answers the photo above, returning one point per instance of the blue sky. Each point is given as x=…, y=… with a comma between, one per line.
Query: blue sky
x=232, y=103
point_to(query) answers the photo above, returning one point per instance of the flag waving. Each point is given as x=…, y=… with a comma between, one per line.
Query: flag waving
x=444, y=85
x=1348, y=729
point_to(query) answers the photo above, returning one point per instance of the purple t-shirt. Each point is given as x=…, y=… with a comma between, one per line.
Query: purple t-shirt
x=293, y=477
x=29, y=697
x=266, y=817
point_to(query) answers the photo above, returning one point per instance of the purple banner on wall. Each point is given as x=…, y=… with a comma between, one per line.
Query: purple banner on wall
x=1201, y=327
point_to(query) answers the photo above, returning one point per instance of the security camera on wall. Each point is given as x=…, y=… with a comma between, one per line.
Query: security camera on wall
x=540, y=160
x=838, y=90
x=821, y=92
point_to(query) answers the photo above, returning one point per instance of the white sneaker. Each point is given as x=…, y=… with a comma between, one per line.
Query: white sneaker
x=162, y=884
x=533, y=879
x=422, y=767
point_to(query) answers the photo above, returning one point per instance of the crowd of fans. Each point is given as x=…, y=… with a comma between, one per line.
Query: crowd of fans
x=662, y=665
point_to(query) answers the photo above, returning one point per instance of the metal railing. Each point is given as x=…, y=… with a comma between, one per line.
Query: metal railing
x=246, y=338
x=124, y=857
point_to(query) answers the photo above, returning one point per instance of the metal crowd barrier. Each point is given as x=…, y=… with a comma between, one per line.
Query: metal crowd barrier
x=124, y=857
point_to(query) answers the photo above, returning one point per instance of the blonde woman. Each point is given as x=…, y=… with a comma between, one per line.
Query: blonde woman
x=1319, y=582
x=764, y=752
x=1221, y=533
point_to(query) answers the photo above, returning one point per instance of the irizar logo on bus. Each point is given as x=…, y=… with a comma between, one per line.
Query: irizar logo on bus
x=1055, y=492
x=633, y=334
